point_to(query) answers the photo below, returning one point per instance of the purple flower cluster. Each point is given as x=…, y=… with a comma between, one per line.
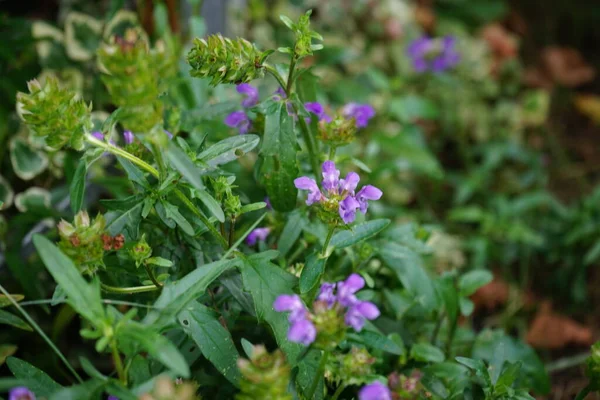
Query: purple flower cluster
x=256, y=235
x=362, y=113
x=21, y=393
x=342, y=190
x=240, y=119
x=357, y=311
x=302, y=330
x=375, y=391
x=435, y=55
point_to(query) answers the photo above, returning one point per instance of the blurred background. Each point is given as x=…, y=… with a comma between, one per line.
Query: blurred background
x=499, y=157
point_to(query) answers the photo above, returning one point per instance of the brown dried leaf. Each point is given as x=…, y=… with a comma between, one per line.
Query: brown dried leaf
x=566, y=66
x=589, y=105
x=503, y=44
x=491, y=295
x=550, y=330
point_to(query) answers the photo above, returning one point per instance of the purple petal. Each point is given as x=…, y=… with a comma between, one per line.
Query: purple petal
x=240, y=120
x=279, y=94
x=251, y=94
x=347, y=288
x=288, y=302
x=368, y=310
x=306, y=183
x=268, y=201
x=98, y=135
x=375, y=391
x=362, y=113
x=169, y=134
x=256, y=235
x=21, y=393
x=128, y=137
x=331, y=176
x=347, y=209
x=368, y=192
x=302, y=331
x=354, y=319
x=349, y=184
x=418, y=48
x=326, y=293
x=314, y=107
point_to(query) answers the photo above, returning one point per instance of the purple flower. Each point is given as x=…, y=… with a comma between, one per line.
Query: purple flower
x=169, y=134
x=368, y=192
x=317, y=109
x=347, y=209
x=112, y=398
x=349, y=184
x=128, y=137
x=251, y=94
x=256, y=235
x=21, y=393
x=239, y=120
x=359, y=312
x=375, y=391
x=306, y=183
x=326, y=294
x=347, y=288
x=362, y=113
x=331, y=177
x=269, y=206
x=434, y=55
x=98, y=135
x=302, y=330
x=279, y=94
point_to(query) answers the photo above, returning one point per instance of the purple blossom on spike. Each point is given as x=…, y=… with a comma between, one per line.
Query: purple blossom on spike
x=368, y=192
x=251, y=94
x=302, y=330
x=239, y=120
x=279, y=94
x=128, y=137
x=169, y=134
x=347, y=288
x=112, y=398
x=256, y=235
x=347, y=209
x=98, y=135
x=434, y=55
x=375, y=391
x=317, y=109
x=306, y=183
x=268, y=201
x=349, y=184
x=331, y=177
x=326, y=294
x=21, y=393
x=359, y=312
x=362, y=113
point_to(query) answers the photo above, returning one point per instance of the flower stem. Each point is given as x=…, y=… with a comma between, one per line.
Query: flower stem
x=202, y=217
x=332, y=151
x=118, y=363
x=327, y=240
x=318, y=375
x=162, y=169
x=129, y=290
x=290, y=78
x=122, y=153
x=152, y=277
x=339, y=391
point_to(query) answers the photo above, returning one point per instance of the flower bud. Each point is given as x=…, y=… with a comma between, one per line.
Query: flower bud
x=338, y=132
x=166, y=389
x=353, y=368
x=265, y=376
x=83, y=241
x=141, y=251
x=54, y=113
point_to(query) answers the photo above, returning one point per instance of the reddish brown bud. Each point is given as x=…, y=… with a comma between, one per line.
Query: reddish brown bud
x=107, y=242
x=74, y=239
x=118, y=241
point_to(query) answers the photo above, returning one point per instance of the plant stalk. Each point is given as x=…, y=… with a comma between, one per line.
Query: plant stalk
x=318, y=375
x=118, y=363
x=152, y=277
x=327, y=240
x=129, y=290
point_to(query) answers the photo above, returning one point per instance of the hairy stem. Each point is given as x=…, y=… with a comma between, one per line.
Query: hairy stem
x=202, y=217
x=122, y=153
x=129, y=290
x=118, y=363
x=152, y=277
x=327, y=240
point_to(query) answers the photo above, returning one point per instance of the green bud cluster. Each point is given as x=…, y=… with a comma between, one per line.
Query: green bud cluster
x=133, y=73
x=82, y=241
x=223, y=187
x=140, y=252
x=265, y=376
x=406, y=387
x=593, y=366
x=225, y=60
x=166, y=389
x=330, y=325
x=303, y=35
x=339, y=132
x=353, y=368
x=55, y=113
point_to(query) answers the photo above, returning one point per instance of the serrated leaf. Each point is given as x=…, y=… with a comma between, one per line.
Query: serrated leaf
x=37, y=380
x=215, y=342
x=358, y=233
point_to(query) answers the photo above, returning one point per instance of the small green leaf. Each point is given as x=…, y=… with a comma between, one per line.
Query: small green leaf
x=6, y=193
x=215, y=342
x=77, y=187
x=473, y=280
x=173, y=213
x=89, y=390
x=7, y=318
x=161, y=262
x=4, y=300
x=34, y=198
x=376, y=340
x=26, y=161
x=252, y=207
x=291, y=231
x=312, y=272
x=358, y=233
x=228, y=150
x=6, y=350
x=426, y=352
x=37, y=381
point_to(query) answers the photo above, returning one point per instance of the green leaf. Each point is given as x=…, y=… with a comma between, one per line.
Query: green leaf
x=228, y=150
x=7, y=318
x=291, y=231
x=592, y=254
x=82, y=296
x=473, y=280
x=161, y=262
x=265, y=281
x=155, y=344
x=77, y=187
x=182, y=163
x=133, y=172
x=130, y=219
x=358, y=233
x=252, y=207
x=175, y=296
x=214, y=341
x=409, y=268
x=26, y=161
x=447, y=292
x=4, y=301
x=34, y=198
x=37, y=380
x=312, y=272
x=89, y=390
x=376, y=340
x=410, y=108
x=173, y=213
x=6, y=350
x=279, y=149
x=426, y=352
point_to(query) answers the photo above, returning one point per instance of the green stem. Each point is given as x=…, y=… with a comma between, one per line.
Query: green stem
x=332, y=151
x=584, y=392
x=202, y=217
x=327, y=240
x=162, y=169
x=129, y=290
x=152, y=277
x=319, y=373
x=338, y=392
x=118, y=363
x=122, y=153
x=231, y=232
x=41, y=333
x=290, y=78
x=436, y=329
x=270, y=69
